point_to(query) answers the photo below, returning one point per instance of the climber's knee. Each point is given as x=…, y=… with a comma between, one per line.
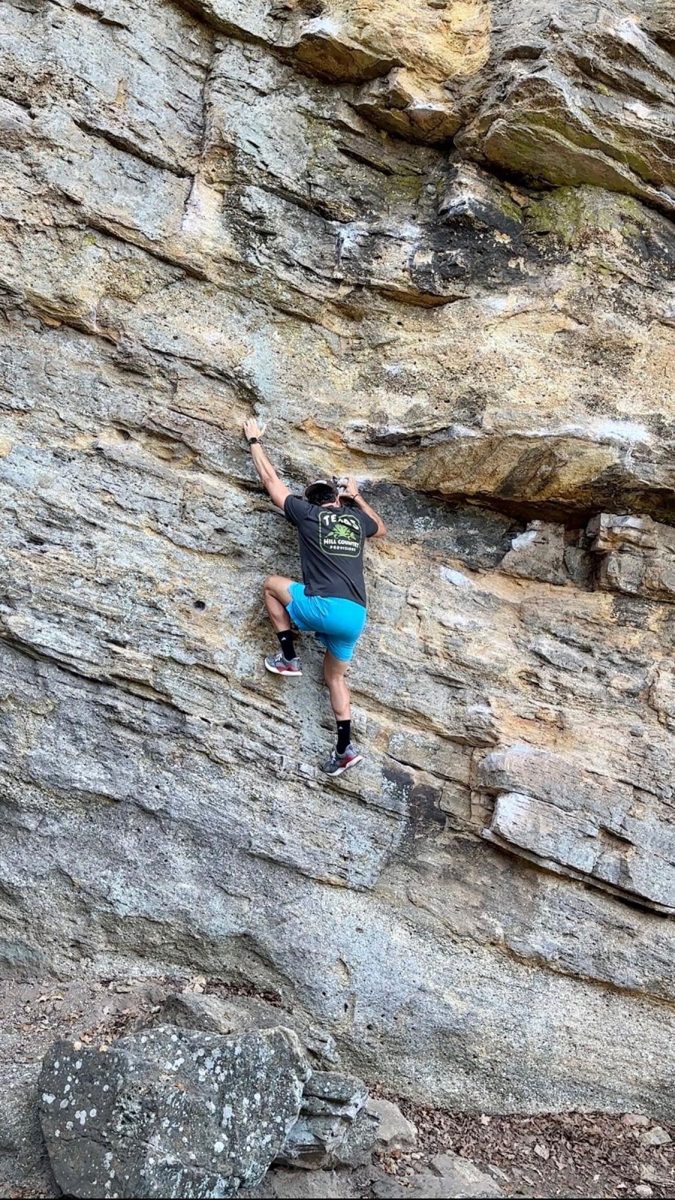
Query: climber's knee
x=278, y=586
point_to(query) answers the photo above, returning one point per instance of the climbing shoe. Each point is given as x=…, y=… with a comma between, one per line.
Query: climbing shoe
x=337, y=763
x=279, y=665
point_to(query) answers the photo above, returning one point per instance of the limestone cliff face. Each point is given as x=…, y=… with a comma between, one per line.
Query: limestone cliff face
x=432, y=243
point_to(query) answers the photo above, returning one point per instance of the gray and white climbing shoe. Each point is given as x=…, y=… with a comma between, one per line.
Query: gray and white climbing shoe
x=337, y=763
x=279, y=665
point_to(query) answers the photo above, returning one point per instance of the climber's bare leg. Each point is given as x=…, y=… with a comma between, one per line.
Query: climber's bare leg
x=334, y=672
x=345, y=754
x=277, y=595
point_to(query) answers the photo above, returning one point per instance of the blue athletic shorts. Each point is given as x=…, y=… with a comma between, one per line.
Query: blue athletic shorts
x=338, y=624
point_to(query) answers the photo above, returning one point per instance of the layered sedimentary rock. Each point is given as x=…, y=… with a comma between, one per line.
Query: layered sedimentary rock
x=581, y=92
x=217, y=210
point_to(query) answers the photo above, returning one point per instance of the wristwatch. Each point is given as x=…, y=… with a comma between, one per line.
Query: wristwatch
x=253, y=441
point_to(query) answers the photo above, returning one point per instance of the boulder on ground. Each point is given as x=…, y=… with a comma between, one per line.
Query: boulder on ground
x=237, y=1014
x=170, y=1112
x=334, y=1128
x=394, y=1130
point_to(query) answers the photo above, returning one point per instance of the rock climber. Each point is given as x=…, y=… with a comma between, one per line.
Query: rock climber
x=333, y=524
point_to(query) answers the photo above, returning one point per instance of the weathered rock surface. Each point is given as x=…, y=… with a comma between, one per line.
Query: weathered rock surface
x=215, y=209
x=581, y=93
x=580, y=820
x=449, y=1177
x=638, y=556
x=170, y=1112
x=240, y=1014
x=22, y=1150
x=335, y=1127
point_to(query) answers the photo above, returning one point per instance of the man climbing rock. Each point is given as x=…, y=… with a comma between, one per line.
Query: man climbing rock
x=331, y=601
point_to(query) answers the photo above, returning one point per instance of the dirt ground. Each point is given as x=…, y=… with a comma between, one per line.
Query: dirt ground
x=558, y=1155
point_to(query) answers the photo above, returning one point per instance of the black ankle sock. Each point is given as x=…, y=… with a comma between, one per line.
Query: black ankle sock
x=344, y=730
x=287, y=644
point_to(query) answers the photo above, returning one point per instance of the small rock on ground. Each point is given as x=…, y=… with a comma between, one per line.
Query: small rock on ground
x=448, y=1177
x=394, y=1129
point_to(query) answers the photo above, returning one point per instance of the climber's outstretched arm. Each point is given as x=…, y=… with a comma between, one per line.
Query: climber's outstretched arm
x=276, y=490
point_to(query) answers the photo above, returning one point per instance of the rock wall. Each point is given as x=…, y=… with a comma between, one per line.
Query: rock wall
x=432, y=243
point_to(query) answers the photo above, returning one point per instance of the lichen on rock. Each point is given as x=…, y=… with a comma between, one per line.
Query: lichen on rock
x=170, y=1112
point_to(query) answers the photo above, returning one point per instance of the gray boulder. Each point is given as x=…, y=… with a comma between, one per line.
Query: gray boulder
x=170, y=1112
x=237, y=1014
x=393, y=1129
x=334, y=1129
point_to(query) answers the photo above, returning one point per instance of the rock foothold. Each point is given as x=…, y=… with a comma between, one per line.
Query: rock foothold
x=170, y=1112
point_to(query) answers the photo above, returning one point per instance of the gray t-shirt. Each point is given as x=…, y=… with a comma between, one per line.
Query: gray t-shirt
x=331, y=548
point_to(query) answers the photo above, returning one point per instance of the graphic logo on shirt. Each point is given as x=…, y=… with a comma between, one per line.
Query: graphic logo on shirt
x=340, y=534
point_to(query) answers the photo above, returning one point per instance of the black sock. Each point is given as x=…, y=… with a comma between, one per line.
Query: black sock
x=287, y=644
x=344, y=729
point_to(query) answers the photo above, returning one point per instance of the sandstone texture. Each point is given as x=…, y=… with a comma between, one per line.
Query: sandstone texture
x=433, y=245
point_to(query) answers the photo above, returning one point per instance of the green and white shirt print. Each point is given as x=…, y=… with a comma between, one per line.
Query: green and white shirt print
x=340, y=534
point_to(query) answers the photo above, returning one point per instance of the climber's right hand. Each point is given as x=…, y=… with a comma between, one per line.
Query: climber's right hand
x=252, y=429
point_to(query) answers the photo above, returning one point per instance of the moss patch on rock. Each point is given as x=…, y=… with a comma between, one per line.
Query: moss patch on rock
x=571, y=212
